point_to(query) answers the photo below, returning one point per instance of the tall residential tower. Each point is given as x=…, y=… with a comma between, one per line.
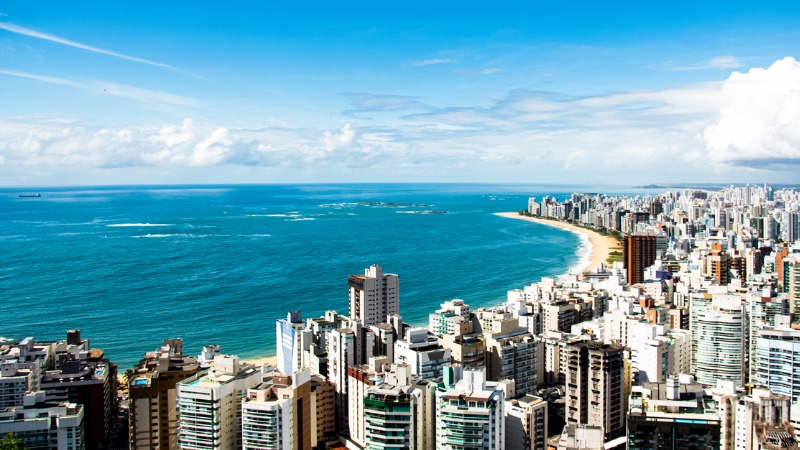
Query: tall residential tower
x=374, y=296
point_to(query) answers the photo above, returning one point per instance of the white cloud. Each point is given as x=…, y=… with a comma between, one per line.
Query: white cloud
x=718, y=62
x=340, y=139
x=722, y=131
x=490, y=71
x=59, y=40
x=432, y=62
x=725, y=62
x=42, y=78
x=54, y=144
x=759, y=120
x=378, y=102
x=143, y=95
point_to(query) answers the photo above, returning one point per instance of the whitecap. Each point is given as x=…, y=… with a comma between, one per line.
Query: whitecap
x=139, y=225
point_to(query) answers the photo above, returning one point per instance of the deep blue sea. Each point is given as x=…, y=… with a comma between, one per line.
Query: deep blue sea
x=130, y=266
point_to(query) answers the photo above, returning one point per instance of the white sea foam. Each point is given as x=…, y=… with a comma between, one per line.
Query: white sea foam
x=299, y=219
x=338, y=205
x=140, y=225
x=273, y=215
x=584, y=253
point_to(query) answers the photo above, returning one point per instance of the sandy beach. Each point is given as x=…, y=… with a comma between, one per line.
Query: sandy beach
x=263, y=361
x=601, y=249
x=601, y=245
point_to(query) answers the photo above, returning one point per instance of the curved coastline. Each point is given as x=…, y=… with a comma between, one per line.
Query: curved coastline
x=600, y=245
x=593, y=250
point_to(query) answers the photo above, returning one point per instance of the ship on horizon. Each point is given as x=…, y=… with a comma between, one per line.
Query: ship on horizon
x=30, y=195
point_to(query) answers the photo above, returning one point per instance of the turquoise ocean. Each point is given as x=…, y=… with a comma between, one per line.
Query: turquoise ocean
x=131, y=266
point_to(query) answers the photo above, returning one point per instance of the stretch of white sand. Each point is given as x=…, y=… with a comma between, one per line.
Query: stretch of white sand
x=601, y=245
x=273, y=360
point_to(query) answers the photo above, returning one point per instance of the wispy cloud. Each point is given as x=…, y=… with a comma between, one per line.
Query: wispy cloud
x=432, y=62
x=362, y=102
x=490, y=71
x=42, y=78
x=113, y=89
x=59, y=40
x=706, y=131
x=719, y=62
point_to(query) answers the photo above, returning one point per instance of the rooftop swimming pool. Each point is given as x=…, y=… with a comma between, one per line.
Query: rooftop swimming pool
x=140, y=382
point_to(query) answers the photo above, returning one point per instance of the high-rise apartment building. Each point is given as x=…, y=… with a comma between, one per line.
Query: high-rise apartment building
x=341, y=345
x=90, y=384
x=792, y=286
x=762, y=312
x=421, y=351
x=639, y=252
x=718, y=265
x=278, y=413
x=511, y=354
x=718, y=334
x=153, y=415
x=288, y=340
x=763, y=422
x=323, y=405
x=595, y=386
x=672, y=415
x=526, y=423
x=43, y=425
x=471, y=414
x=374, y=296
x=209, y=404
x=453, y=317
x=777, y=358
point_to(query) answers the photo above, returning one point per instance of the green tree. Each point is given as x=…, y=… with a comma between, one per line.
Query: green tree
x=11, y=442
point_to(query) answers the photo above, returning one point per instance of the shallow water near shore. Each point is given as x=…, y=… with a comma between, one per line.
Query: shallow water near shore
x=130, y=266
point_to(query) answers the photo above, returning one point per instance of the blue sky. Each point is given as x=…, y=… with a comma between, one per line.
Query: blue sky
x=195, y=92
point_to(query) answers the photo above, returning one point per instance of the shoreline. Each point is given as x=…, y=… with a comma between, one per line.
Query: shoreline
x=600, y=249
x=601, y=246
x=272, y=360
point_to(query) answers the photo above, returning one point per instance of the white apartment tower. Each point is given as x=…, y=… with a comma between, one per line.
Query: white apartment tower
x=289, y=345
x=718, y=332
x=45, y=425
x=209, y=405
x=777, y=358
x=471, y=414
x=374, y=296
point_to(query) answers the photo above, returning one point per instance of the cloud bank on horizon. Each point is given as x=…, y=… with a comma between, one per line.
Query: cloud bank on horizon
x=488, y=115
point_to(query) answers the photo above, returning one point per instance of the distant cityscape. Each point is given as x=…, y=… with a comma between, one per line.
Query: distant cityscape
x=686, y=335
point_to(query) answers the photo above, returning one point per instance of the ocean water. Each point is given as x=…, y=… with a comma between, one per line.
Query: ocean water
x=130, y=266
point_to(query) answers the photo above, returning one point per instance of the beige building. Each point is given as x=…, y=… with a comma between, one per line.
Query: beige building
x=526, y=423
x=323, y=423
x=278, y=413
x=511, y=354
x=153, y=418
x=374, y=296
x=468, y=350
